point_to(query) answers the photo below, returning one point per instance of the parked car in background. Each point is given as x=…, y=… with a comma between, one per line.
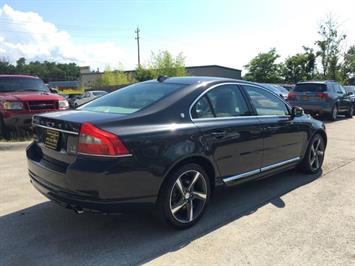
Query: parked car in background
x=278, y=89
x=167, y=143
x=322, y=98
x=21, y=97
x=288, y=87
x=72, y=98
x=87, y=97
x=351, y=91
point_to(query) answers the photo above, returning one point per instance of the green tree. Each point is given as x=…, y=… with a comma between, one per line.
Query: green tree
x=160, y=64
x=263, y=68
x=300, y=66
x=112, y=78
x=329, y=49
x=348, y=66
x=6, y=67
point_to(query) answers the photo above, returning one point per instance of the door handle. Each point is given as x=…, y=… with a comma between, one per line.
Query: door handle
x=219, y=134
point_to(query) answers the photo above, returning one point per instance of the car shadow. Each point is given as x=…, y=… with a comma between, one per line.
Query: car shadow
x=46, y=234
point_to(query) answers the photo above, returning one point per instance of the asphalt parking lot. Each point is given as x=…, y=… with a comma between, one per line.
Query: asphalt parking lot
x=288, y=219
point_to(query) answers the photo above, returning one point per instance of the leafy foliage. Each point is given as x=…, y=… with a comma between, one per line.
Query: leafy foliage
x=48, y=71
x=112, y=78
x=300, y=66
x=162, y=63
x=348, y=67
x=263, y=68
x=329, y=48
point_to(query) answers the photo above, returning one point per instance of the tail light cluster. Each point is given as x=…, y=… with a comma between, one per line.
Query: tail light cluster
x=291, y=96
x=322, y=95
x=95, y=141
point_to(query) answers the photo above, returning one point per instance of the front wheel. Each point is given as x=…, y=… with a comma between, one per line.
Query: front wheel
x=314, y=157
x=350, y=112
x=184, y=197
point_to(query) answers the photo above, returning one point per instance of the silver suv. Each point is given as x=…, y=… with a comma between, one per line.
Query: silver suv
x=322, y=98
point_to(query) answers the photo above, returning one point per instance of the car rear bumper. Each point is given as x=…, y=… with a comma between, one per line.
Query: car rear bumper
x=20, y=119
x=111, y=186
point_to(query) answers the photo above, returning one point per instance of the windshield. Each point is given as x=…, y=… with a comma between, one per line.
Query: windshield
x=132, y=98
x=12, y=84
x=350, y=88
x=310, y=87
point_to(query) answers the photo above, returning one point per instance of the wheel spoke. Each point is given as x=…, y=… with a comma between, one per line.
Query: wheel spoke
x=190, y=211
x=178, y=206
x=317, y=162
x=199, y=195
x=180, y=186
x=196, y=177
x=320, y=153
x=317, y=144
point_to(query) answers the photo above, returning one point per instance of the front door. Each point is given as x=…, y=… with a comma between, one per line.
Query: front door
x=283, y=135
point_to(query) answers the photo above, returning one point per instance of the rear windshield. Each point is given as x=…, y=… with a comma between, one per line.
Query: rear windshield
x=12, y=84
x=310, y=87
x=350, y=88
x=99, y=93
x=132, y=98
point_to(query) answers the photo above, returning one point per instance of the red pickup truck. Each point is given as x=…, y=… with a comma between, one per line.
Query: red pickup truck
x=22, y=96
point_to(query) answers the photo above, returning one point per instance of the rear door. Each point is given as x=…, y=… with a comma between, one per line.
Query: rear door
x=284, y=136
x=229, y=133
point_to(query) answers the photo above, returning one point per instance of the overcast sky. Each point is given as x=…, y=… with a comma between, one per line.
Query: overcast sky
x=100, y=33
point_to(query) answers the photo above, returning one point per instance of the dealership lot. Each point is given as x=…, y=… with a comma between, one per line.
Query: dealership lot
x=291, y=218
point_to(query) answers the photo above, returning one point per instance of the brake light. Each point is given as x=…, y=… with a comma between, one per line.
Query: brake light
x=291, y=96
x=322, y=95
x=95, y=141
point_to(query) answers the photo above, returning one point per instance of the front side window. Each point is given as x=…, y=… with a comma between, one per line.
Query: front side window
x=266, y=103
x=222, y=101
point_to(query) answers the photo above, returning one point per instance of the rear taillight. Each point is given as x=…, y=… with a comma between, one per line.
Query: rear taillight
x=291, y=96
x=322, y=95
x=95, y=141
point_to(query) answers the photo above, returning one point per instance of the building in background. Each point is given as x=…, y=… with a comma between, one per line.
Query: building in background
x=88, y=78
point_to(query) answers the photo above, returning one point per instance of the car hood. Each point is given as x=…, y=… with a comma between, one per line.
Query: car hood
x=30, y=96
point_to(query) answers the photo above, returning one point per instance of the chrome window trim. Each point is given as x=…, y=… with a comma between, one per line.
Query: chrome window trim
x=56, y=129
x=263, y=169
x=236, y=117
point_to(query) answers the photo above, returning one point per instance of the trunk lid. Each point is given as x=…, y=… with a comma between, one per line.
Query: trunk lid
x=57, y=134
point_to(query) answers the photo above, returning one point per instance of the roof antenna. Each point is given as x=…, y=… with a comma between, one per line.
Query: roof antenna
x=161, y=78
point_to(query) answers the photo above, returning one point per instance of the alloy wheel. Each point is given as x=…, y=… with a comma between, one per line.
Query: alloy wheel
x=188, y=196
x=316, y=154
x=335, y=113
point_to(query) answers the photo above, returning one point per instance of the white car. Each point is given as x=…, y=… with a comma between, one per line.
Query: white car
x=88, y=96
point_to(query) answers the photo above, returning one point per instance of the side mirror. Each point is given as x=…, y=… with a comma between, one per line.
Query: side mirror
x=297, y=111
x=350, y=93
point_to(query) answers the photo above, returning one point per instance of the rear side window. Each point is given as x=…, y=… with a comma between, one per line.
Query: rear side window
x=266, y=103
x=222, y=101
x=132, y=98
x=310, y=87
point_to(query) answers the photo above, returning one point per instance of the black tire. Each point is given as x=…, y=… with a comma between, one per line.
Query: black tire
x=308, y=164
x=334, y=113
x=4, y=131
x=172, y=194
x=350, y=112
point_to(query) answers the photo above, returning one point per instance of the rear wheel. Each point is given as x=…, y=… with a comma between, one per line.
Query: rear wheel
x=314, y=157
x=350, y=112
x=334, y=114
x=184, y=197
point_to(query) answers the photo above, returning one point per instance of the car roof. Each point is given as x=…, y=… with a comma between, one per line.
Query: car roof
x=190, y=80
x=17, y=76
x=316, y=82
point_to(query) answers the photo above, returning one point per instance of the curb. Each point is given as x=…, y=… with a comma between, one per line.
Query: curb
x=14, y=146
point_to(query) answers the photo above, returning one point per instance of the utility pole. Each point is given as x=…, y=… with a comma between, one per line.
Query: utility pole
x=137, y=38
